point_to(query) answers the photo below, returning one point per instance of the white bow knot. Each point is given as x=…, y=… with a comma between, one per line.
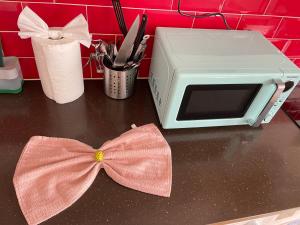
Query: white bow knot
x=31, y=25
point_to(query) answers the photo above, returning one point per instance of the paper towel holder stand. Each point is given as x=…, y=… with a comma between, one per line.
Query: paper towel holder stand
x=97, y=55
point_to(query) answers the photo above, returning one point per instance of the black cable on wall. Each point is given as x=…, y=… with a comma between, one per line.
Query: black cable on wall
x=204, y=15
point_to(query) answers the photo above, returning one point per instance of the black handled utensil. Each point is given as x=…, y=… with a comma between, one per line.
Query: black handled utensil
x=139, y=36
x=120, y=17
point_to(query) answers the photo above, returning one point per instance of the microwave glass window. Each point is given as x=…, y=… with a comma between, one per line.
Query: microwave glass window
x=217, y=101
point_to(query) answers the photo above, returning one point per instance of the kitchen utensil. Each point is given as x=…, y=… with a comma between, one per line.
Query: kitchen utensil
x=133, y=65
x=102, y=47
x=126, y=47
x=115, y=52
x=110, y=51
x=119, y=84
x=108, y=60
x=141, y=49
x=139, y=36
x=120, y=17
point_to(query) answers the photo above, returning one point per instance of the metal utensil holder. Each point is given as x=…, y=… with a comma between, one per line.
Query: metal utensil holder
x=119, y=84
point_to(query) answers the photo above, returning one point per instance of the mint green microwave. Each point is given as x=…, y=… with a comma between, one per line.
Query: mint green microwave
x=205, y=78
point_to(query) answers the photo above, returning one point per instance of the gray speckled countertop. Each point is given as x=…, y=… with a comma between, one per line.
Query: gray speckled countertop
x=218, y=173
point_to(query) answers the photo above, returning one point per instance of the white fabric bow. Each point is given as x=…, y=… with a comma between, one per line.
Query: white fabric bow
x=31, y=25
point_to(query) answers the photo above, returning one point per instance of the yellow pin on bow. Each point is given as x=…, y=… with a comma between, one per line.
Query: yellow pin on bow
x=99, y=155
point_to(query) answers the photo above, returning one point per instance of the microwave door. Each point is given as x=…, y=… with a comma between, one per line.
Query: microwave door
x=221, y=101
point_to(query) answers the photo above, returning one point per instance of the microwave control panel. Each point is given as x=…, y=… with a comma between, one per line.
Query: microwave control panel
x=155, y=91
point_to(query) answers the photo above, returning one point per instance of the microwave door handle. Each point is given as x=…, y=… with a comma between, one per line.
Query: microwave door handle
x=280, y=86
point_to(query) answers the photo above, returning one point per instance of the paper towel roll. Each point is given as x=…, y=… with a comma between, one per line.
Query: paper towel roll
x=57, y=54
x=60, y=69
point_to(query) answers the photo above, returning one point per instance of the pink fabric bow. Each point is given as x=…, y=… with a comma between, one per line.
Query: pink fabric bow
x=52, y=173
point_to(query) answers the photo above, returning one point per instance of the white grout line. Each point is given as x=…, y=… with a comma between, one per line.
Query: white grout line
x=16, y=31
x=222, y=5
x=9, y=31
x=32, y=79
x=278, y=26
x=172, y=2
x=93, y=78
x=266, y=9
x=107, y=35
x=115, y=35
x=86, y=14
x=32, y=57
x=285, y=47
x=238, y=22
x=194, y=20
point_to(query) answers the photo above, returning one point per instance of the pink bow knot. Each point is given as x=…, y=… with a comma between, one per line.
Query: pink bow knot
x=53, y=173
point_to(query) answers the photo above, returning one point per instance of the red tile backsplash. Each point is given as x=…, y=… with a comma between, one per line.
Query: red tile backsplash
x=293, y=49
x=13, y=45
x=280, y=44
x=144, y=68
x=278, y=20
x=152, y=4
x=267, y=25
x=94, y=71
x=245, y=6
x=86, y=68
x=56, y=15
x=166, y=19
x=297, y=62
x=284, y=7
x=148, y=52
x=86, y=2
x=103, y=19
x=196, y=5
x=289, y=28
x=28, y=67
x=9, y=12
x=216, y=22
